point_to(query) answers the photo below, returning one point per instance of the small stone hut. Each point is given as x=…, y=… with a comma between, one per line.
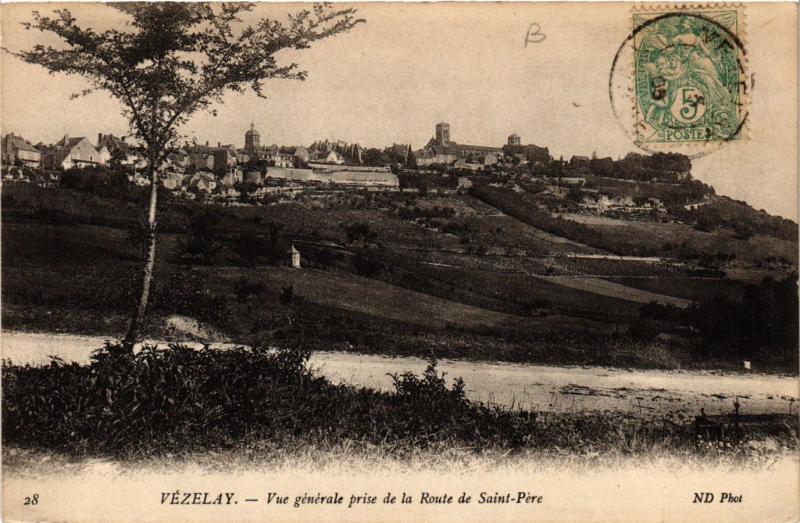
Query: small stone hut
x=293, y=257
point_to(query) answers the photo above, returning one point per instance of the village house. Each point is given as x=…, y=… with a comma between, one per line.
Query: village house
x=242, y=156
x=335, y=152
x=695, y=205
x=434, y=155
x=332, y=157
x=604, y=202
x=202, y=183
x=201, y=157
x=16, y=149
x=275, y=157
x=299, y=153
x=178, y=160
x=463, y=164
x=103, y=154
x=172, y=180
x=73, y=152
x=402, y=152
x=224, y=157
x=231, y=178
x=128, y=153
x=229, y=192
x=491, y=159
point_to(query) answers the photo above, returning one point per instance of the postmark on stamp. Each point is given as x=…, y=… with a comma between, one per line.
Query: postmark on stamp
x=687, y=74
x=682, y=75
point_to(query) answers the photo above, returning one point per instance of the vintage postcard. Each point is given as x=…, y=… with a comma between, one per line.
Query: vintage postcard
x=371, y=262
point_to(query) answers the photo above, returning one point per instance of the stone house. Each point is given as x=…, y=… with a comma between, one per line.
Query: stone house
x=17, y=149
x=73, y=152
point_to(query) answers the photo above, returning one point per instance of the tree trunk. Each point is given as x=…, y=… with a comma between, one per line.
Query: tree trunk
x=147, y=273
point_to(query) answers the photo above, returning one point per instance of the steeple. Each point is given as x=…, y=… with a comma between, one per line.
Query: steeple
x=252, y=139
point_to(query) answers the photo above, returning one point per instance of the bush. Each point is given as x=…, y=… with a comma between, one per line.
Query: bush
x=287, y=295
x=642, y=331
x=166, y=398
x=359, y=231
x=100, y=181
x=184, y=400
x=202, y=243
x=251, y=248
x=184, y=293
x=366, y=265
x=246, y=288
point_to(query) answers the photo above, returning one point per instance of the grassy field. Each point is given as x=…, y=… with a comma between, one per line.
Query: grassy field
x=616, y=290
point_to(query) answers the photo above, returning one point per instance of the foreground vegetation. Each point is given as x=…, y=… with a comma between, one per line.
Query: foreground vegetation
x=180, y=401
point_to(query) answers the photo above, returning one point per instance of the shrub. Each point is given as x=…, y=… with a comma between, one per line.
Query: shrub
x=174, y=398
x=642, y=331
x=98, y=180
x=287, y=295
x=359, y=231
x=184, y=293
x=246, y=288
x=201, y=244
x=743, y=231
x=251, y=248
x=366, y=265
x=184, y=400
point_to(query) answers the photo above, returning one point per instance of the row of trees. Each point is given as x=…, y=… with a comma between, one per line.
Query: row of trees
x=660, y=167
x=389, y=156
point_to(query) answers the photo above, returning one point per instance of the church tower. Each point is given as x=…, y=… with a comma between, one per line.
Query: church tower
x=514, y=139
x=252, y=140
x=443, y=133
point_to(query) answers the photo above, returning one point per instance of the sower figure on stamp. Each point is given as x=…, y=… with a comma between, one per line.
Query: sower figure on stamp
x=691, y=59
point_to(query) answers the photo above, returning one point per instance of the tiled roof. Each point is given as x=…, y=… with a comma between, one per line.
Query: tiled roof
x=20, y=143
x=70, y=142
x=114, y=143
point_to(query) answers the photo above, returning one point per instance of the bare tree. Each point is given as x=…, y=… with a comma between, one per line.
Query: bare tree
x=172, y=60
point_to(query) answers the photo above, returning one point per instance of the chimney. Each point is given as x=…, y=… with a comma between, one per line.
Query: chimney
x=99, y=138
x=219, y=144
x=206, y=143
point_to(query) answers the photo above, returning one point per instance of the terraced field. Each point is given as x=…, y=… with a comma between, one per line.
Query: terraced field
x=614, y=290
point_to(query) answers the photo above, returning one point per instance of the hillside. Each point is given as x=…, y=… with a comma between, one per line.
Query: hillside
x=500, y=272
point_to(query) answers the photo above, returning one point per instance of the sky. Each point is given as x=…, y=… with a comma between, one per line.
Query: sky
x=410, y=66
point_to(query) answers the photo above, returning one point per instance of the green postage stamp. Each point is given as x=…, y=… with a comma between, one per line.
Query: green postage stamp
x=689, y=73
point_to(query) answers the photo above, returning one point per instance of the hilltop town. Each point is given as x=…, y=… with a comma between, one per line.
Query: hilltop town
x=225, y=172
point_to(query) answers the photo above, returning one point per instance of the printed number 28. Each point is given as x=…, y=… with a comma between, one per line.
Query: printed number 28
x=32, y=500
